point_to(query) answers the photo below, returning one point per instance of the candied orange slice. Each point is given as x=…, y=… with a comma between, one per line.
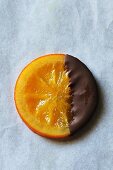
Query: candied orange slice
x=42, y=96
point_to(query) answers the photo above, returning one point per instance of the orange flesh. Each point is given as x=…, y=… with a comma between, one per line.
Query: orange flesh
x=42, y=96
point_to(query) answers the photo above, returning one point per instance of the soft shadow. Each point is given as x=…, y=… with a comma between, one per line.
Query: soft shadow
x=90, y=125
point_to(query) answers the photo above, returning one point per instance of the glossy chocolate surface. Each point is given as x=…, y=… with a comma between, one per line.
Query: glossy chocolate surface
x=84, y=94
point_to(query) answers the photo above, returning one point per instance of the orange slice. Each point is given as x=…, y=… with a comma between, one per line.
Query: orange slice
x=42, y=96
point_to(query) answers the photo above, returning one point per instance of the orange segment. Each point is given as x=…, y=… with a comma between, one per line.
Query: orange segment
x=42, y=96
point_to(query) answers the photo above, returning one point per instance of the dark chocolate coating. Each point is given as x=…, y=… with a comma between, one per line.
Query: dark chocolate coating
x=83, y=93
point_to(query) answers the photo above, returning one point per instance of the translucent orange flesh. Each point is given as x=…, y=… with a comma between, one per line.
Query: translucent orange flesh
x=42, y=96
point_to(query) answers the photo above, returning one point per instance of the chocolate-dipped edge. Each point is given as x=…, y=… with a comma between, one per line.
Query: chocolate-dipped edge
x=84, y=95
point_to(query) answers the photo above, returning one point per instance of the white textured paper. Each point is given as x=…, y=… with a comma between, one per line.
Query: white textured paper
x=31, y=28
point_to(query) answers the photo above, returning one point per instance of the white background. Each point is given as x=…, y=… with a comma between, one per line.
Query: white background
x=30, y=28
